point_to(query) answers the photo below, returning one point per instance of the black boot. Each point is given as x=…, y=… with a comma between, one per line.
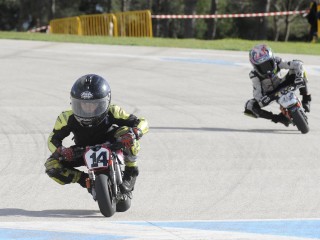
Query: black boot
x=129, y=179
x=306, y=99
x=280, y=118
x=83, y=179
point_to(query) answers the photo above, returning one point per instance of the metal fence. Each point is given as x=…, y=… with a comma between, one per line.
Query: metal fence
x=134, y=24
x=125, y=24
x=70, y=25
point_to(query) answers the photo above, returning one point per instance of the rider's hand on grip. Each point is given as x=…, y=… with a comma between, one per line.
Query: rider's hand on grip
x=66, y=153
x=137, y=132
x=264, y=101
x=127, y=139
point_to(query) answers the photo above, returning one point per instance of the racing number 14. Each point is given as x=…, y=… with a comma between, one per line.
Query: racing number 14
x=102, y=158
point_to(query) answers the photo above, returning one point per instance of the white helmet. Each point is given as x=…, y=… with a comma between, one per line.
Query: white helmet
x=262, y=59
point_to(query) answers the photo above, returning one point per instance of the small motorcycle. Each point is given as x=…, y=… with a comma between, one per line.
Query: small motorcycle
x=105, y=176
x=291, y=107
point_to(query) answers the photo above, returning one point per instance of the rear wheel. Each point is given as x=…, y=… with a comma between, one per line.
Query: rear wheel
x=105, y=198
x=300, y=120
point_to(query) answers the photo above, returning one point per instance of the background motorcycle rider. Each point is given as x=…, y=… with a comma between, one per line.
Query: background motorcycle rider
x=93, y=120
x=266, y=80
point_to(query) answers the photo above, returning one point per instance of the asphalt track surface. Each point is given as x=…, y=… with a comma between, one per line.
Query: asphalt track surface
x=207, y=171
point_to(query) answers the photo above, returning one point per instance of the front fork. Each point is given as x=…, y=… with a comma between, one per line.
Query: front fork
x=115, y=171
x=285, y=112
x=90, y=184
x=115, y=175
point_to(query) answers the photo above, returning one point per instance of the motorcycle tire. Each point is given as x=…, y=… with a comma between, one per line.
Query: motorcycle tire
x=300, y=120
x=124, y=205
x=105, y=198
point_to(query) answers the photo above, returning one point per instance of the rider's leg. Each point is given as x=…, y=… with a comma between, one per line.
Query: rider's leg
x=306, y=98
x=253, y=109
x=64, y=174
x=131, y=169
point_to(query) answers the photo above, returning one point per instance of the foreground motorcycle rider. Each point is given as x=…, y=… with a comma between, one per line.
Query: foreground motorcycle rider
x=93, y=120
x=266, y=80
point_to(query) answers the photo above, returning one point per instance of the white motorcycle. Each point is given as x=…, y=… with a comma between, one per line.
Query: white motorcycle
x=291, y=107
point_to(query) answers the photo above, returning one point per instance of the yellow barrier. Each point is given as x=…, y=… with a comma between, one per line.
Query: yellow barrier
x=70, y=25
x=126, y=24
x=134, y=24
x=99, y=24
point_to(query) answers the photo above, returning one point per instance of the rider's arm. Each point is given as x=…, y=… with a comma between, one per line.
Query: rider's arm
x=60, y=131
x=295, y=65
x=121, y=118
x=256, y=84
x=262, y=98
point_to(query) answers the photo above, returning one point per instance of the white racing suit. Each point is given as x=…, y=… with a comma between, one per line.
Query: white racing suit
x=263, y=87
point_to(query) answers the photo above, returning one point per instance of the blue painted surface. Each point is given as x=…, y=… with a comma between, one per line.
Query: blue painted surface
x=286, y=228
x=289, y=228
x=200, y=61
x=6, y=234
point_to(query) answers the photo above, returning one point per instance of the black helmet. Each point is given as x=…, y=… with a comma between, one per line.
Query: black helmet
x=90, y=99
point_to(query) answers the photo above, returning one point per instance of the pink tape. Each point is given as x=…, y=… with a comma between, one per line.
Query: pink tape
x=237, y=15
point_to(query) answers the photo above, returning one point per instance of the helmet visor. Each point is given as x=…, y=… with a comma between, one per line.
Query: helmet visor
x=267, y=67
x=89, y=108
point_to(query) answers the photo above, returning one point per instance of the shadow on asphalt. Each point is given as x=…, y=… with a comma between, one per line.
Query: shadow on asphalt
x=275, y=131
x=58, y=213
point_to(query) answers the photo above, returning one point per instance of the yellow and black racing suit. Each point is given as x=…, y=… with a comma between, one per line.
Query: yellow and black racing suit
x=64, y=172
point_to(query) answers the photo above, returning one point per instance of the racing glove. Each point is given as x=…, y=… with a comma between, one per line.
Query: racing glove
x=127, y=139
x=137, y=132
x=66, y=154
x=265, y=100
x=127, y=136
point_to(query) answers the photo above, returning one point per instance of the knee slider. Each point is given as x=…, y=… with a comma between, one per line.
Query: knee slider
x=53, y=167
x=253, y=107
x=53, y=172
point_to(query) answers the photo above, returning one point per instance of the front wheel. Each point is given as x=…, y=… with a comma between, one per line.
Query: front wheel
x=300, y=120
x=124, y=204
x=105, y=198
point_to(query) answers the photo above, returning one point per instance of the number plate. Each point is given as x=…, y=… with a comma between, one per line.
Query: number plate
x=287, y=100
x=97, y=158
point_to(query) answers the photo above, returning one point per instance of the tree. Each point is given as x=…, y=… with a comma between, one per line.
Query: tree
x=9, y=12
x=189, y=24
x=286, y=21
x=167, y=27
x=250, y=27
x=212, y=22
x=21, y=15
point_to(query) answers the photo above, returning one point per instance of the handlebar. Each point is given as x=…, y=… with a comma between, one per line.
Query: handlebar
x=287, y=89
x=79, y=151
x=283, y=91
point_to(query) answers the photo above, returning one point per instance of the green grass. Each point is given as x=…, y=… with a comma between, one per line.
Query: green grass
x=223, y=44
